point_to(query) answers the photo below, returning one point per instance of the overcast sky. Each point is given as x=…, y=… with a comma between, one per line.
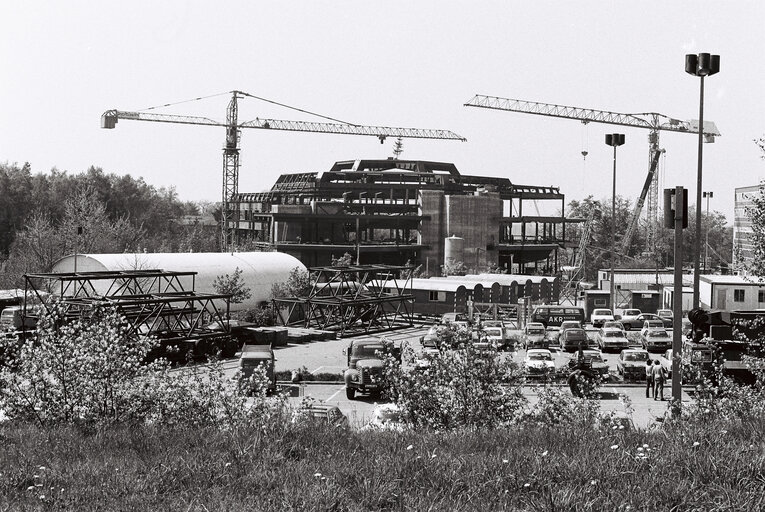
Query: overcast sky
x=392, y=63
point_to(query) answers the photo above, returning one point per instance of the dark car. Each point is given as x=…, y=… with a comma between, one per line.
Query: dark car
x=638, y=321
x=656, y=339
x=592, y=359
x=570, y=339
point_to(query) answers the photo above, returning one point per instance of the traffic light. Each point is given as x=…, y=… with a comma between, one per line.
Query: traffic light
x=709, y=324
x=670, y=207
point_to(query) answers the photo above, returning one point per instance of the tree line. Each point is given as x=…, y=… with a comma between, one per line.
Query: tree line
x=638, y=254
x=45, y=216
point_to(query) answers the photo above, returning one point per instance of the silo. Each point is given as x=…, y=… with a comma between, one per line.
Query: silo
x=454, y=249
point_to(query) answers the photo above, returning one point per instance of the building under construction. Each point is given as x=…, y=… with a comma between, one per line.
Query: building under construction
x=397, y=211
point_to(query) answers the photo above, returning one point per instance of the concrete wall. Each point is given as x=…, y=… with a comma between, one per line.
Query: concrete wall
x=432, y=232
x=475, y=218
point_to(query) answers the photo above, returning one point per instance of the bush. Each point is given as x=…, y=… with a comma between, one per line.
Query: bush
x=92, y=371
x=460, y=387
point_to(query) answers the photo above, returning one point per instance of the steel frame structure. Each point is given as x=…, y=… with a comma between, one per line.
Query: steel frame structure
x=153, y=302
x=231, y=150
x=352, y=299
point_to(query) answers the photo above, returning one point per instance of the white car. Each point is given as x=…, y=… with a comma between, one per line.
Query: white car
x=612, y=338
x=651, y=325
x=538, y=363
x=629, y=318
x=491, y=337
x=386, y=417
x=601, y=316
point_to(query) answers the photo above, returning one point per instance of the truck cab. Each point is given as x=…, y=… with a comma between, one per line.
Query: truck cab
x=254, y=356
x=365, y=373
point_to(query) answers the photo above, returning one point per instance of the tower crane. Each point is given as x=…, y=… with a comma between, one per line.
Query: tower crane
x=233, y=128
x=649, y=120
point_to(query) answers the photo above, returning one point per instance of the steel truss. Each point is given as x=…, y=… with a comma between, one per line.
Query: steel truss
x=154, y=303
x=352, y=299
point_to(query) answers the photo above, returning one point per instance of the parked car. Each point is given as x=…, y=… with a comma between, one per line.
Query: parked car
x=570, y=339
x=492, y=338
x=629, y=318
x=650, y=325
x=319, y=411
x=386, y=417
x=430, y=348
x=631, y=363
x=535, y=336
x=639, y=320
x=252, y=357
x=665, y=313
x=593, y=359
x=538, y=363
x=601, y=316
x=448, y=318
x=656, y=339
x=616, y=324
x=611, y=338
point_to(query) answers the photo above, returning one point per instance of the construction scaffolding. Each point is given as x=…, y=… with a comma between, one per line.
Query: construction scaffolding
x=154, y=303
x=352, y=299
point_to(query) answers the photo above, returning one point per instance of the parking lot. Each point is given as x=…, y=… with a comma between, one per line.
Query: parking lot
x=328, y=357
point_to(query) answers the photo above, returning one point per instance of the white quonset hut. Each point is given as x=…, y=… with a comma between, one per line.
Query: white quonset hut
x=260, y=270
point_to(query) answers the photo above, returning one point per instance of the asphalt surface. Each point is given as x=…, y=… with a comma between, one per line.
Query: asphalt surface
x=328, y=357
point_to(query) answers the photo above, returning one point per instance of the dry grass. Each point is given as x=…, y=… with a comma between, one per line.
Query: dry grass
x=317, y=467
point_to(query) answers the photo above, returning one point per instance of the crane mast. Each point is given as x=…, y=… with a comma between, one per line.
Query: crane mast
x=650, y=120
x=231, y=149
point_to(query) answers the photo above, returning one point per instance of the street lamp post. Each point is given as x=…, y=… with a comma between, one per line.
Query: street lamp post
x=613, y=139
x=707, y=196
x=700, y=65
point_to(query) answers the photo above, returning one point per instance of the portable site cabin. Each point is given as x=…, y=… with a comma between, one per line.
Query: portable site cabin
x=515, y=286
x=731, y=292
x=260, y=270
x=479, y=290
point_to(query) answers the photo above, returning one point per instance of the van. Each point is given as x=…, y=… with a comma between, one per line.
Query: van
x=11, y=319
x=553, y=316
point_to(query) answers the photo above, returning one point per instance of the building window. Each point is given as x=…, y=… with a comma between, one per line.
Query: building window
x=738, y=295
x=437, y=296
x=760, y=295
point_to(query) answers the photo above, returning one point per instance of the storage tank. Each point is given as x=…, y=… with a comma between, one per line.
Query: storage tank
x=454, y=248
x=260, y=270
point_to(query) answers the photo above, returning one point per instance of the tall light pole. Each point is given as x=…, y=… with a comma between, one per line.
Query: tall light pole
x=700, y=65
x=613, y=139
x=707, y=196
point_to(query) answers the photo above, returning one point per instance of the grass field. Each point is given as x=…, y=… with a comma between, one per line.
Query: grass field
x=314, y=466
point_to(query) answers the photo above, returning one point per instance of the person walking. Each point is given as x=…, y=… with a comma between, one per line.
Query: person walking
x=648, y=378
x=658, y=380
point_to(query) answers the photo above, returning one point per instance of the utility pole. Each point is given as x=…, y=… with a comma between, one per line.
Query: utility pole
x=706, y=196
x=676, y=217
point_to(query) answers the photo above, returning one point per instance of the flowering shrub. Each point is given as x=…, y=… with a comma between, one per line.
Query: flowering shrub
x=557, y=407
x=91, y=370
x=458, y=387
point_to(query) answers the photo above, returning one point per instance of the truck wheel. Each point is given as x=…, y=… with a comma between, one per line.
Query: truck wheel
x=350, y=393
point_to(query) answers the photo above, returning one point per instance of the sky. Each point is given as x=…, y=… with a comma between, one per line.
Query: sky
x=393, y=63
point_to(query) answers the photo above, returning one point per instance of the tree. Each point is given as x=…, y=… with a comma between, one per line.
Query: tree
x=345, y=261
x=233, y=284
x=398, y=148
x=453, y=268
x=756, y=214
x=299, y=284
